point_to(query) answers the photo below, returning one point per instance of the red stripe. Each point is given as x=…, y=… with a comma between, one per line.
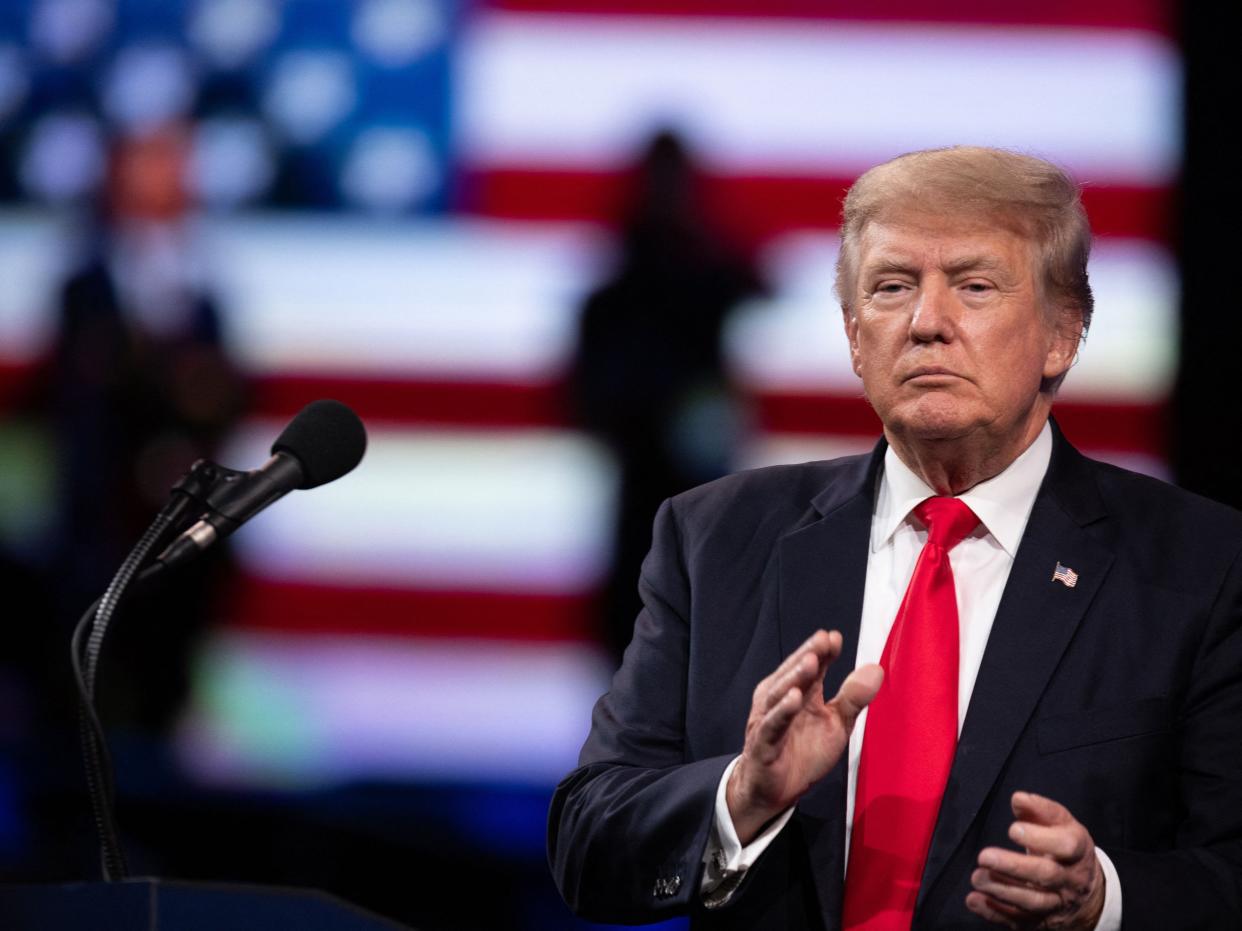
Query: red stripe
x=1115, y=426
x=1119, y=426
x=407, y=401
x=752, y=208
x=14, y=381
x=1150, y=15
x=1140, y=428
x=815, y=413
x=1104, y=427
x=414, y=402
x=290, y=606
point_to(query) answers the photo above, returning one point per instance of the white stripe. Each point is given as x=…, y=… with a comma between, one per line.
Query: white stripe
x=825, y=97
x=288, y=710
x=525, y=511
x=796, y=341
x=449, y=299
x=32, y=264
x=462, y=301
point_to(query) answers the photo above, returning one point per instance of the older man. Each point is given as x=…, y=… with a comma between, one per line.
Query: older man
x=1036, y=659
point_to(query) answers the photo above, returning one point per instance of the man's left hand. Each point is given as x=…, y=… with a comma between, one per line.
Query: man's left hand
x=1056, y=883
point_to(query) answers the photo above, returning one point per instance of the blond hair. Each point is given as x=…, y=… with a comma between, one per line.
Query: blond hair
x=1029, y=196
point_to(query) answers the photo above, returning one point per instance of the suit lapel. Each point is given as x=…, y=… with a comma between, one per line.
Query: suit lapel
x=823, y=570
x=1036, y=619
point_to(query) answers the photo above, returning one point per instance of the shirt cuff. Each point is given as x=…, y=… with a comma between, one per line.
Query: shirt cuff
x=1110, y=917
x=725, y=860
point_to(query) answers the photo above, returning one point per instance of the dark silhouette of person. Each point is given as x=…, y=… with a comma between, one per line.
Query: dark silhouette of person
x=138, y=385
x=648, y=379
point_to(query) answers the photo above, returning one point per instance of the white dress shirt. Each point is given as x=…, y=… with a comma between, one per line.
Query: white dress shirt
x=981, y=565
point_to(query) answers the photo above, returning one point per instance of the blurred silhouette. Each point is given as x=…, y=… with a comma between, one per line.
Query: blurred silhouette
x=138, y=385
x=649, y=379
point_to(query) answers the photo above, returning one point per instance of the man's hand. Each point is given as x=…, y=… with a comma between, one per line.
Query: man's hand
x=1057, y=883
x=793, y=736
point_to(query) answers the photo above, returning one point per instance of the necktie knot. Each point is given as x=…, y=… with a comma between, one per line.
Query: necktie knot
x=948, y=520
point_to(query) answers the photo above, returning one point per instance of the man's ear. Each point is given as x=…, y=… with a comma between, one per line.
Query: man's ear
x=1067, y=337
x=851, y=333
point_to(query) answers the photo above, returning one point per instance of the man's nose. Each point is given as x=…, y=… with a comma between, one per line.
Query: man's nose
x=934, y=318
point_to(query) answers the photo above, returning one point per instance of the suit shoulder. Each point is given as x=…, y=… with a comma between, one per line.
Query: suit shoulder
x=1175, y=538
x=1163, y=503
x=772, y=494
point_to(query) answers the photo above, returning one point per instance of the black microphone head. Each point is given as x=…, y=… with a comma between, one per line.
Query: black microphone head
x=327, y=438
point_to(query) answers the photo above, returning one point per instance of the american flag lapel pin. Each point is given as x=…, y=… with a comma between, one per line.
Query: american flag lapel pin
x=1065, y=575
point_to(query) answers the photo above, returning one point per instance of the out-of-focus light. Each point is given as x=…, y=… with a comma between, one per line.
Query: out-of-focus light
x=64, y=158
x=230, y=161
x=275, y=710
x=524, y=511
x=14, y=81
x=66, y=31
x=389, y=170
x=31, y=265
x=310, y=93
x=148, y=85
x=231, y=32
x=397, y=32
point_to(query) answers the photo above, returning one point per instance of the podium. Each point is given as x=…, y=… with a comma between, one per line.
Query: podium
x=170, y=905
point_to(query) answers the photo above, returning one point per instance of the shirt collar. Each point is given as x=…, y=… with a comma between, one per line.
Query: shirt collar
x=1002, y=503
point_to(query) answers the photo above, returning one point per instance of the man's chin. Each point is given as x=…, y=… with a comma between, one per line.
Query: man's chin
x=933, y=416
x=928, y=423
x=937, y=433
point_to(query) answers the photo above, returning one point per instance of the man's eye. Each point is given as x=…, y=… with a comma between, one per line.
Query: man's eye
x=978, y=287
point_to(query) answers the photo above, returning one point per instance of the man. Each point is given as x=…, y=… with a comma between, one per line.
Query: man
x=1051, y=648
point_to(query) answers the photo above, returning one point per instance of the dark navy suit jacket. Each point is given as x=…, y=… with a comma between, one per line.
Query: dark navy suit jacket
x=1120, y=697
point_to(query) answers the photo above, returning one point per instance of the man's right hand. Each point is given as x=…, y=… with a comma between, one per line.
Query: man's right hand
x=793, y=736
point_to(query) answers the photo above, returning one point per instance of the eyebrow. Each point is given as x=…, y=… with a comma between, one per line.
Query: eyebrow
x=982, y=262
x=889, y=267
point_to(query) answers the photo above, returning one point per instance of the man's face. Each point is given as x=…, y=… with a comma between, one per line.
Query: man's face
x=948, y=334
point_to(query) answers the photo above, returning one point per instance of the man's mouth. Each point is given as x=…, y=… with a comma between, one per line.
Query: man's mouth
x=931, y=373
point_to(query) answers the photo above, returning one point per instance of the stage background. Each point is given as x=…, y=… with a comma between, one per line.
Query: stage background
x=404, y=204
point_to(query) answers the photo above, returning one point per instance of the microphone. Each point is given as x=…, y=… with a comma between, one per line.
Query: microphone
x=323, y=442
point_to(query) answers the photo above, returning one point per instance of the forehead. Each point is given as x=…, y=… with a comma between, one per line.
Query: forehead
x=919, y=240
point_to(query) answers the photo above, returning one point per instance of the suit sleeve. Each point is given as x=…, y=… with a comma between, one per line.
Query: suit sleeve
x=1199, y=883
x=627, y=828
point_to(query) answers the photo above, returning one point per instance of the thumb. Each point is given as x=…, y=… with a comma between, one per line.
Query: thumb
x=857, y=692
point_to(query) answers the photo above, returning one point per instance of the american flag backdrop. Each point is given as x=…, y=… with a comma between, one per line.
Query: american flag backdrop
x=429, y=617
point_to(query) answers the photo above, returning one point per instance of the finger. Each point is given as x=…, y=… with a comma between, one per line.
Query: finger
x=1022, y=868
x=1033, y=901
x=823, y=646
x=775, y=725
x=990, y=909
x=857, y=691
x=800, y=676
x=820, y=643
x=1027, y=806
x=1064, y=843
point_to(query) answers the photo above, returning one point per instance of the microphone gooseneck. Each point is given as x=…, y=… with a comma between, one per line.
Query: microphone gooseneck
x=322, y=443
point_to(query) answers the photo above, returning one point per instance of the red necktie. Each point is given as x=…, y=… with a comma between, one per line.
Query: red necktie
x=910, y=736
